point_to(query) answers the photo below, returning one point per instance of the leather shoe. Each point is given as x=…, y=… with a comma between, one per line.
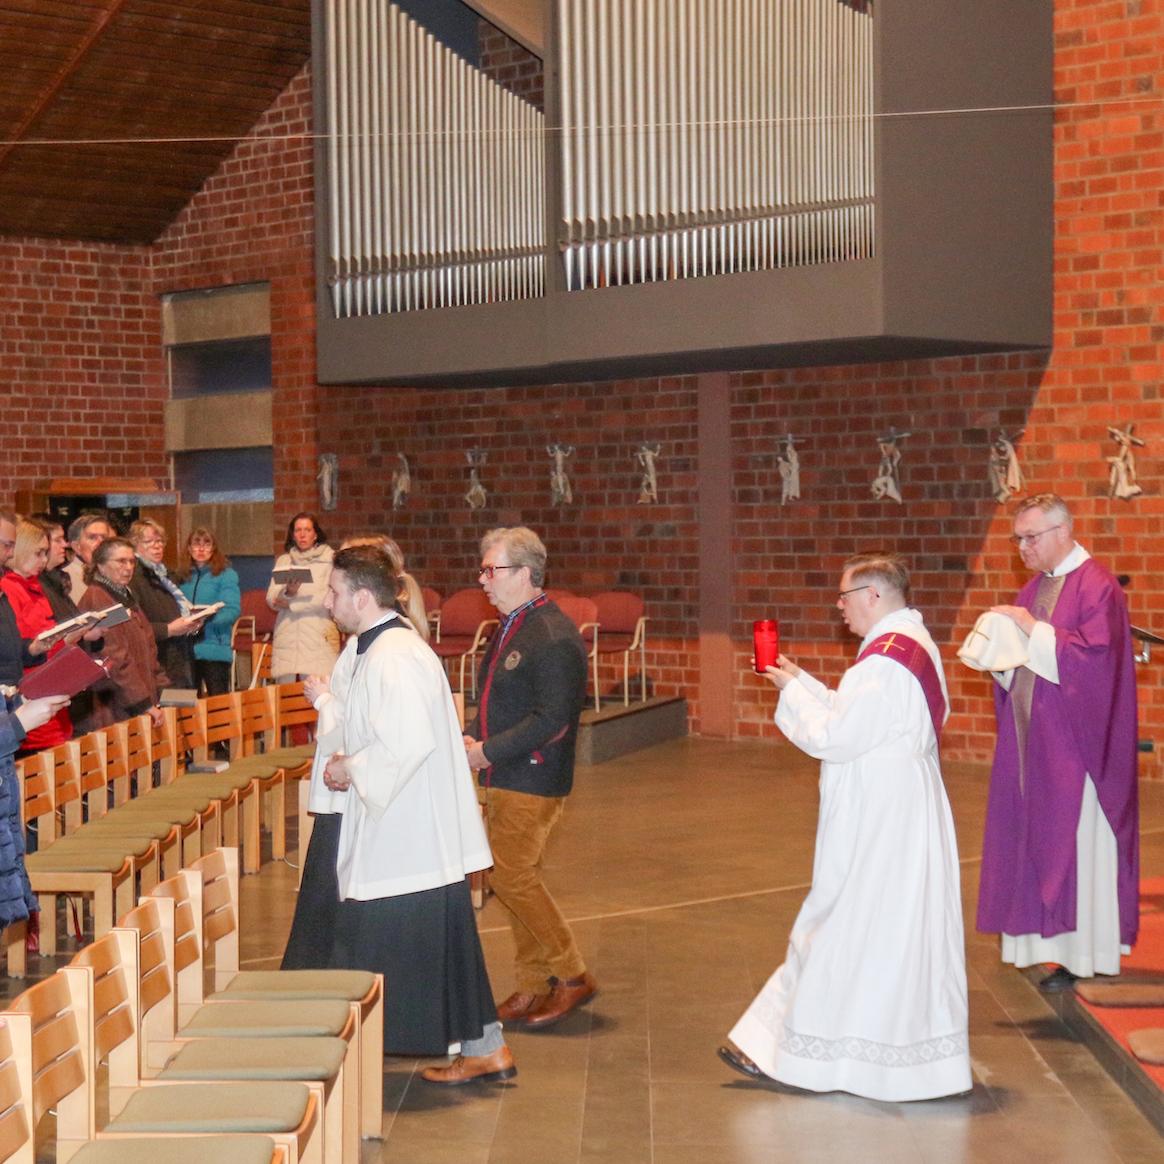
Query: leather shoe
x=519, y=1004
x=738, y=1061
x=473, y=1069
x=565, y=995
x=1059, y=980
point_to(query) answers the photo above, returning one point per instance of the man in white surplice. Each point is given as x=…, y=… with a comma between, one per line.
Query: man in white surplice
x=871, y=998
x=411, y=832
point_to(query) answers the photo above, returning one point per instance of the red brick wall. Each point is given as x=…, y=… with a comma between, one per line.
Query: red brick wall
x=253, y=221
x=80, y=365
x=510, y=65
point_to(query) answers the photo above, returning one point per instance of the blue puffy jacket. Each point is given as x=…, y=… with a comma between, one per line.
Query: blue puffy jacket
x=203, y=588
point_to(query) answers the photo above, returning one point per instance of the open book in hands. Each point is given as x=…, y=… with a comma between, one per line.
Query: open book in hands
x=203, y=612
x=292, y=574
x=87, y=620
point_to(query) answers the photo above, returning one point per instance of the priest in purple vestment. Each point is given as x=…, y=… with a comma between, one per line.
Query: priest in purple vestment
x=1061, y=858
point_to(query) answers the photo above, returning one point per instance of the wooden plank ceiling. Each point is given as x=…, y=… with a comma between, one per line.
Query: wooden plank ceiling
x=114, y=112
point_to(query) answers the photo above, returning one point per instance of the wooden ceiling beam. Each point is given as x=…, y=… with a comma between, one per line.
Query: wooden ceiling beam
x=45, y=99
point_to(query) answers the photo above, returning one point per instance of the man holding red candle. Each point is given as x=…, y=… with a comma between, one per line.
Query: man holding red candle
x=871, y=998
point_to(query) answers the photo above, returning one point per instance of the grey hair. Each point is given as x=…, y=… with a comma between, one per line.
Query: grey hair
x=523, y=546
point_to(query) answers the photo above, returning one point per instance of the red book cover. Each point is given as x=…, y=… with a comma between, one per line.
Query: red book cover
x=66, y=673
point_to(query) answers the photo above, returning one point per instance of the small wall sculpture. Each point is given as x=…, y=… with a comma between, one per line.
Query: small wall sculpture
x=1006, y=478
x=649, y=483
x=328, y=478
x=476, y=496
x=887, y=483
x=561, y=491
x=1122, y=481
x=789, y=463
x=401, y=482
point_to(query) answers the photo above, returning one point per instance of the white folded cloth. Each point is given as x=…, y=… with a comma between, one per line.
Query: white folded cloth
x=995, y=644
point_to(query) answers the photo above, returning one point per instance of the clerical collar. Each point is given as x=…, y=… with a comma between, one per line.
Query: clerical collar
x=366, y=638
x=1075, y=558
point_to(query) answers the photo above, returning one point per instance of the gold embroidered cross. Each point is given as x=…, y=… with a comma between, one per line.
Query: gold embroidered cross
x=890, y=642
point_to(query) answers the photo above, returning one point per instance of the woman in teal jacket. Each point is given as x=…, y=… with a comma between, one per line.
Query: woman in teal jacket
x=212, y=580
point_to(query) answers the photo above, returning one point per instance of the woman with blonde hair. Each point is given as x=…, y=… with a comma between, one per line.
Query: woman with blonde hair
x=163, y=604
x=409, y=596
x=34, y=614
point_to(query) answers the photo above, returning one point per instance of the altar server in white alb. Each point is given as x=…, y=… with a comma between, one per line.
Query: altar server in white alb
x=411, y=834
x=871, y=998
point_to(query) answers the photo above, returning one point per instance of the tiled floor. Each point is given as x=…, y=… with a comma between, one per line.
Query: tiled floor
x=682, y=867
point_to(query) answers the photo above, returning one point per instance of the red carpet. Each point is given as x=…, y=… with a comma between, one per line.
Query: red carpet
x=1147, y=957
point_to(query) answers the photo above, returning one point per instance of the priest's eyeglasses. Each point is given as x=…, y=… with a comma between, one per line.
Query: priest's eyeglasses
x=1031, y=538
x=843, y=594
x=487, y=572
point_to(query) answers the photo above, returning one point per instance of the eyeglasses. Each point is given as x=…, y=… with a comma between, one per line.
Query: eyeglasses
x=487, y=572
x=843, y=594
x=1030, y=539
x=152, y=542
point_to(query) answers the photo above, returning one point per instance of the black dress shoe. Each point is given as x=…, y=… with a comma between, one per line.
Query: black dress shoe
x=738, y=1062
x=1059, y=980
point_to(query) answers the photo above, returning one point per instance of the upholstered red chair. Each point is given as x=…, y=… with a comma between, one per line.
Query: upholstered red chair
x=256, y=624
x=583, y=613
x=467, y=620
x=624, y=630
x=432, y=609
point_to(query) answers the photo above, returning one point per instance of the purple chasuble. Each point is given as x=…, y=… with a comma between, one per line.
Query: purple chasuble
x=916, y=659
x=1083, y=726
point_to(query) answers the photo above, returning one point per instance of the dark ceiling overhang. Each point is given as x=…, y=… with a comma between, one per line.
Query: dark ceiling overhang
x=117, y=111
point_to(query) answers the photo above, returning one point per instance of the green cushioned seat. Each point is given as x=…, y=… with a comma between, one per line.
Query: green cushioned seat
x=345, y=984
x=266, y=1019
x=225, y=782
x=210, y=1107
x=76, y=861
x=175, y=1150
x=261, y=764
x=291, y=757
x=316, y=1059
x=177, y=809
x=136, y=840
x=105, y=831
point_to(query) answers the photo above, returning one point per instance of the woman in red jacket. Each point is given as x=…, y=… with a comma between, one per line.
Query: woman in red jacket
x=33, y=613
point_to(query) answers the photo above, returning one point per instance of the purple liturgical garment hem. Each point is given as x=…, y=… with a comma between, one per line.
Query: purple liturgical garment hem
x=1083, y=726
x=915, y=659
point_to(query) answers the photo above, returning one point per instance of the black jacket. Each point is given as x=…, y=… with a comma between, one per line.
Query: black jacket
x=161, y=608
x=531, y=696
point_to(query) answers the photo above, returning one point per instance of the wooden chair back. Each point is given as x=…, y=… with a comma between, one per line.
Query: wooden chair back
x=261, y=663
x=37, y=806
x=15, y=1131
x=222, y=722
x=50, y=1033
x=63, y=770
x=93, y=771
x=293, y=709
x=258, y=719
x=137, y=754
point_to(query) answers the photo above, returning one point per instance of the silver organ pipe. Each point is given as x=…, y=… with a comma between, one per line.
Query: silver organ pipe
x=698, y=137
x=435, y=173
x=706, y=137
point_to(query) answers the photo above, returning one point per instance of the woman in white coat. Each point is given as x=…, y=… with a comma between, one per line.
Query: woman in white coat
x=306, y=641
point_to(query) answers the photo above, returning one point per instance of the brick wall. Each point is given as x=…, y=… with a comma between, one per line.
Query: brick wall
x=80, y=366
x=253, y=221
x=509, y=64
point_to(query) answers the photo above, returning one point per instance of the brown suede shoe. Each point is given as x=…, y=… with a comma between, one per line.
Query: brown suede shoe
x=518, y=1005
x=473, y=1069
x=565, y=996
